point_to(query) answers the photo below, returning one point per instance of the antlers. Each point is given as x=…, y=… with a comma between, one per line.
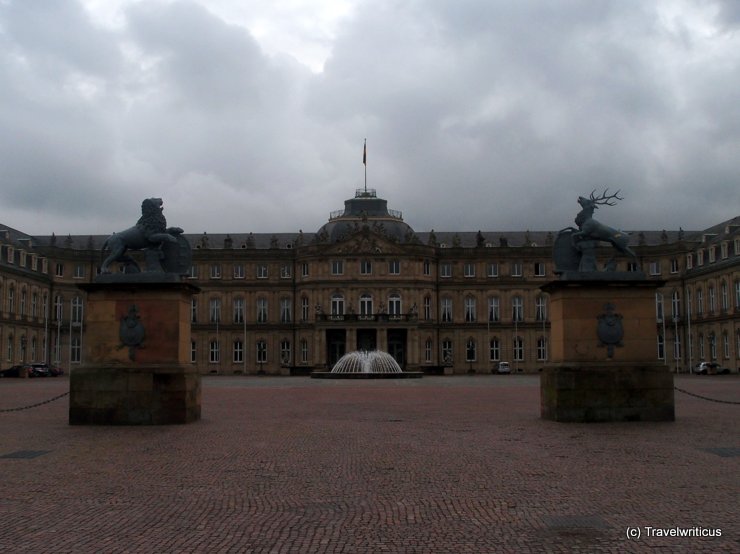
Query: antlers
x=603, y=200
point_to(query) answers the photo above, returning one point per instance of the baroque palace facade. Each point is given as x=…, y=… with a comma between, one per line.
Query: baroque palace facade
x=453, y=302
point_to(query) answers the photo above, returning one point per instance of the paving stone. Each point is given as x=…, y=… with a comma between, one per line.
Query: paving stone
x=440, y=464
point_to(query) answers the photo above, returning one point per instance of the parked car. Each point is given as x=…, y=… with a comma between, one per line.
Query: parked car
x=14, y=371
x=56, y=371
x=503, y=367
x=41, y=370
x=710, y=368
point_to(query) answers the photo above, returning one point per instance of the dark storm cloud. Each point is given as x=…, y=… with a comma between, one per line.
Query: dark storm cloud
x=478, y=115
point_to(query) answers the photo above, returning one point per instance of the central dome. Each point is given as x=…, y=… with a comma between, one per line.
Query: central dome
x=366, y=209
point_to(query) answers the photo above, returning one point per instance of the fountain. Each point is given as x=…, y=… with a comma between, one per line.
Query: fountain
x=363, y=364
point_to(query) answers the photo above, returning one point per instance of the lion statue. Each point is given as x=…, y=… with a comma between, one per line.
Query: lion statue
x=150, y=234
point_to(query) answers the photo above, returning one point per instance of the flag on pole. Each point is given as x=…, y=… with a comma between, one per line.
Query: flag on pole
x=364, y=153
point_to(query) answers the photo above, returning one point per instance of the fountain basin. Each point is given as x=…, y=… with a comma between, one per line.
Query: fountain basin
x=361, y=364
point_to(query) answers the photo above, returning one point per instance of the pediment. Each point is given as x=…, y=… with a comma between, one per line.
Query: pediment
x=365, y=242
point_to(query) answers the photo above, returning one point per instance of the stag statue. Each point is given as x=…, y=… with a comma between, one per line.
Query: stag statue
x=590, y=229
x=575, y=249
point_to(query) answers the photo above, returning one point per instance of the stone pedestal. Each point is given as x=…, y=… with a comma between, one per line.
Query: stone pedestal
x=136, y=366
x=603, y=347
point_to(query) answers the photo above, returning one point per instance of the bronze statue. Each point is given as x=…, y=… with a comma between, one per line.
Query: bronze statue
x=574, y=250
x=165, y=249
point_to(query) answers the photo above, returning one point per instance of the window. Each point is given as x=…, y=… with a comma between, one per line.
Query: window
x=469, y=309
x=676, y=347
x=366, y=305
x=11, y=255
x=711, y=304
x=238, y=310
x=238, y=351
x=304, y=269
x=469, y=269
x=446, y=310
x=34, y=304
x=193, y=311
x=238, y=271
x=262, y=310
x=427, y=267
x=518, y=349
x=724, y=250
x=654, y=268
x=77, y=310
x=22, y=307
x=701, y=346
x=79, y=271
x=304, y=351
x=661, y=347
x=493, y=270
x=712, y=254
x=517, y=308
x=699, y=302
x=23, y=258
x=11, y=299
x=427, y=308
x=540, y=308
x=304, y=308
x=215, y=310
x=9, y=348
x=445, y=270
x=539, y=269
x=541, y=349
x=193, y=273
x=285, y=352
x=674, y=265
x=689, y=261
x=214, y=355
x=713, y=346
x=726, y=345
x=632, y=266
x=516, y=269
x=675, y=304
x=658, y=306
x=470, y=350
x=337, y=305
x=366, y=267
x=76, y=352
x=58, y=307
x=700, y=257
x=286, y=315
x=394, y=267
x=337, y=267
x=737, y=295
x=215, y=271
x=724, y=297
x=262, y=271
x=286, y=271
x=494, y=350
x=494, y=312
x=193, y=352
x=428, y=351
x=447, y=351
x=394, y=304
x=261, y=352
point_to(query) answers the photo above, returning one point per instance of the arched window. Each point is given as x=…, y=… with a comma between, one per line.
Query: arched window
x=446, y=310
x=470, y=308
x=447, y=354
x=494, y=309
x=517, y=308
x=541, y=308
x=77, y=310
x=518, y=349
x=394, y=304
x=428, y=344
x=366, y=305
x=337, y=304
x=494, y=349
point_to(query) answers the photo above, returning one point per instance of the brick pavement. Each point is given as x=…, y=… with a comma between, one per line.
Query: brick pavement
x=441, y=464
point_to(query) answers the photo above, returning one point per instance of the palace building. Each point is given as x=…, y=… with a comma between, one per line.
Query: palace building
x=438, y=302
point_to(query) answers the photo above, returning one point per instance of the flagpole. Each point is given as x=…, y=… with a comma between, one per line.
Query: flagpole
x=364, y=162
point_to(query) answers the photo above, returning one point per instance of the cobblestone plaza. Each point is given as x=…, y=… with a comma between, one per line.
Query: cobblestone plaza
x=440, y=464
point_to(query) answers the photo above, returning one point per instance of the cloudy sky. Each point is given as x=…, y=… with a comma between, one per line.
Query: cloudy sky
x=478, y=114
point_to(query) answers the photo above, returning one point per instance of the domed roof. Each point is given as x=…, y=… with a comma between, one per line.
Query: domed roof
x=365, y=209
